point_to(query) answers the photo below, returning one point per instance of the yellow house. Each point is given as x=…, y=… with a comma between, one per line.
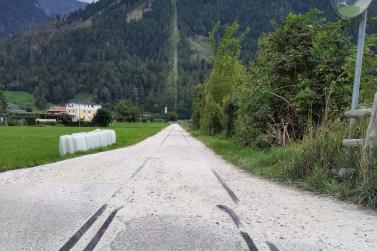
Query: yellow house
x=84, y=112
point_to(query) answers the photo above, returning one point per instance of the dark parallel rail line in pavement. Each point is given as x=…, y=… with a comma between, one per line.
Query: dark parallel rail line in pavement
x=272, y=246
x=133, y=175
x=141, y=167
x=238, y=223
x=93, y=243
x=249, y=241
x=77, y=236
x=226, y=187
x=163, y=141
x=232, y=215
x=245, y=236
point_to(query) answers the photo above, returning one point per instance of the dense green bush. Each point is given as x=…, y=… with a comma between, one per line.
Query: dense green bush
x=171, y=116
x=126, y=111
x=66, y=119
x=299, y=75
x=102, y=118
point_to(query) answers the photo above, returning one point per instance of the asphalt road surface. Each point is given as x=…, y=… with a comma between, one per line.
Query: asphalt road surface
x=169, y=192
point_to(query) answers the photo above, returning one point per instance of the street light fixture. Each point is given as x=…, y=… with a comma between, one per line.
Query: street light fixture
x=349, y=9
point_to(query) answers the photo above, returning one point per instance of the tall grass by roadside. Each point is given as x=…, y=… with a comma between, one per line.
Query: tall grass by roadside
x=34, y=145
x=319, y=163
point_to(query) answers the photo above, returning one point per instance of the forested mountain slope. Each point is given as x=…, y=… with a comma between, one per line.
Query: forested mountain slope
x=121, y=49
x=15, y=15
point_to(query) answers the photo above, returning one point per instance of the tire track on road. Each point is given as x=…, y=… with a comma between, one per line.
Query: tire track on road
x=89, y=223
x=93, y=243
x=163, y=141
x=249, y=241
x=226, y=187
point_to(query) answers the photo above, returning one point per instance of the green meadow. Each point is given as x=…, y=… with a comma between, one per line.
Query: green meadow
x=23, y=99
x=34, y=145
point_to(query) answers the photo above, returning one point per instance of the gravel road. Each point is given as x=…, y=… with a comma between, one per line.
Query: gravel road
x=169, y=192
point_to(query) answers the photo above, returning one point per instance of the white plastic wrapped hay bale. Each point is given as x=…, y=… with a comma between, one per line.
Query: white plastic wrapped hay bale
x=66, y=145
x=62, y=145
x=113, y=137
x=103, y=139
x=89, y=140
x=97, y=138
x=81, y=142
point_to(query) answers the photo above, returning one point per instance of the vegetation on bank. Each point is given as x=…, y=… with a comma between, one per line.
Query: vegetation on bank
x=290, y=104
x=35, y=145
x=310, y=165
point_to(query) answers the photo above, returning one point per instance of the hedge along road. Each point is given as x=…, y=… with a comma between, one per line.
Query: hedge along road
x=169, y=192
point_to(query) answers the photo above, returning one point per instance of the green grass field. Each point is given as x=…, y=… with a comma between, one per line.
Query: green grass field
x=23, y=99
x=30, y=146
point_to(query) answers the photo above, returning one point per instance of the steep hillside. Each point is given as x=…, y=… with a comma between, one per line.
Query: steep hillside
x=97, y=51
x=61, y=7
x=149, y=51
x=15, y=15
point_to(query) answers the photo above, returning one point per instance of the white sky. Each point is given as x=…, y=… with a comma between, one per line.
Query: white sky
x=88, y=1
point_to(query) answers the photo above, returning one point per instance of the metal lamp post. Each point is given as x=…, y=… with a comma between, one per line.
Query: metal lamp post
x=349, y=9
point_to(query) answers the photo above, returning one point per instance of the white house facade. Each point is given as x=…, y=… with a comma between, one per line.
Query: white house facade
x=84, y=112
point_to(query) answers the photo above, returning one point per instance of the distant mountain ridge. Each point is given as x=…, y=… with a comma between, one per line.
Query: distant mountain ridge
x=122, y=49
x=61, y=7
x=16, y=15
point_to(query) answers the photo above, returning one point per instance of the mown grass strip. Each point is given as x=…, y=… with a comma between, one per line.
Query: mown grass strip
x=30, y=146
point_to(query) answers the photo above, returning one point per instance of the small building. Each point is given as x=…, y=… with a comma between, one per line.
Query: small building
x=83, y=112
x=55, y=112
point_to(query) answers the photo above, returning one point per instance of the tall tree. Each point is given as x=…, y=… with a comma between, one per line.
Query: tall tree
x=227, y=73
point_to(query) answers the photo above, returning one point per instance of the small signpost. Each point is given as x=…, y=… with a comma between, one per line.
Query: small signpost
x=349, y=9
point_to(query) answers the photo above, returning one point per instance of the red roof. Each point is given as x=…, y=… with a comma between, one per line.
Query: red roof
x=56, y=108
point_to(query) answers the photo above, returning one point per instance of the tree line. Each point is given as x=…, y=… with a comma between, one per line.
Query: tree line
x=302, y=75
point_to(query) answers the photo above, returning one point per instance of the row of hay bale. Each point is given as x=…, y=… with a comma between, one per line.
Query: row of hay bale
x=82, y=142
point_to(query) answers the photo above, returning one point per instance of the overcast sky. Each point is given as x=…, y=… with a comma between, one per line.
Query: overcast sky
x=88, y=1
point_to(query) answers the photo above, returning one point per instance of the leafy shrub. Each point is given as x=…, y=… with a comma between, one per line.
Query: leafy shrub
x=102, y=117
x=66, y=119
x=299, y=77
x=171, y=116
x=30, y=121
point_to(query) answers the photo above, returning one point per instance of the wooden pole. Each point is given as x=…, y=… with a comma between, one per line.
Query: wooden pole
x=370, y=143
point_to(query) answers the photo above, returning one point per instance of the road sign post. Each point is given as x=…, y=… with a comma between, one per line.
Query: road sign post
x=358, y=66
x=349, y=9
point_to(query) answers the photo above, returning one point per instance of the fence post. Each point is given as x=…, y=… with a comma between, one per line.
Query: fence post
x=370, y=143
